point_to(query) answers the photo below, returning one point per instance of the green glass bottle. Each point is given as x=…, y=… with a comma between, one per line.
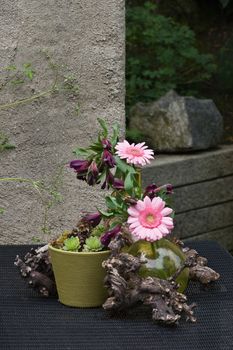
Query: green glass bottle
x=163, y=260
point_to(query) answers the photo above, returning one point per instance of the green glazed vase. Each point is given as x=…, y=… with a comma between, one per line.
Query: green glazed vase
x=163, y=259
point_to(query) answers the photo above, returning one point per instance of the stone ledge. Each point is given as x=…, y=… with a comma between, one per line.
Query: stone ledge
x=203, y=198
x=181, y=170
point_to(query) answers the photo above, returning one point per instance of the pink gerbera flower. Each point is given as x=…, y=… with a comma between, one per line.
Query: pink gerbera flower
x=138, y=154
x=149, y=219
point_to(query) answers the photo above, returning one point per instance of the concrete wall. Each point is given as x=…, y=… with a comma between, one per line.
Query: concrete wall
x=88, y=37
x=203, y=192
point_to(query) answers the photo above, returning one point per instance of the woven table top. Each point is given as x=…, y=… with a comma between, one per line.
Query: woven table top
x=28, y=321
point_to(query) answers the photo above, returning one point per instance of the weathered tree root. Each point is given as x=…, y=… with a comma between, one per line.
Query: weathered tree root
x=36, y=268
x=199, y=271
x=126, y=288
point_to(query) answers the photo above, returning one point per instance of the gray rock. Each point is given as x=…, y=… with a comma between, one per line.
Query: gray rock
x=176, y=123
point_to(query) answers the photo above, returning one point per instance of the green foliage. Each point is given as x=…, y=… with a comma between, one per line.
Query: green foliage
x=96, y=148
x=225, y=3
x=225, y=68
x=161, y=55
x=2, y=210
x=92, y=244
x=4, y=143
x=134, y=135
x=71, y=244
x=98, y=231
x=14, y=76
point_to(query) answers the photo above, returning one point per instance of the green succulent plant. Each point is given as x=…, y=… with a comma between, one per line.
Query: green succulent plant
x=92, y=244
x=98, y=231
x=71, y=244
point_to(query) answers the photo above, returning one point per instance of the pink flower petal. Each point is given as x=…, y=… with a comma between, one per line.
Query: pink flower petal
x=166, y=211
x=132, y=219
x=133, y=212
x=140, y=205
x=163, y=229
x=158, y=203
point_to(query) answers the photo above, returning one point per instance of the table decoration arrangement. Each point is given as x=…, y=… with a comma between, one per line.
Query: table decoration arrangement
x=125, y=255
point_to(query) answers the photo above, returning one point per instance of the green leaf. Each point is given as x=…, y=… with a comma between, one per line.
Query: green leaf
x=129, y=183
x=104, y=127
x=83, y=152
x=115, y=135
x=105, y=213
x=2, y=210
x=111, y=202
x=123, y=166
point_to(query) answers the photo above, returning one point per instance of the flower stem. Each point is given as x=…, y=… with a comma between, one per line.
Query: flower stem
x=138, y=176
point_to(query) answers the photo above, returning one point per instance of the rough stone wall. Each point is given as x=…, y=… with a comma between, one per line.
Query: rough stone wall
x=88, y=37
x=203, y=192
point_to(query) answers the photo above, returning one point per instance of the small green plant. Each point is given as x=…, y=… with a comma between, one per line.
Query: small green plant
x=71, y=244
x=92, y=244
x=15, y=76
x=2, y=210
x=161, y=55
x=5, y=143
x=48, y=196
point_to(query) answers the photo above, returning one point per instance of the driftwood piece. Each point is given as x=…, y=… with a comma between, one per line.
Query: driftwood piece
x=199, y=271
x=126, y=288
x=36, y=268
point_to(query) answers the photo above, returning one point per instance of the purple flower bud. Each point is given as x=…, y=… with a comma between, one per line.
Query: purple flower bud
x=93, y=219
x=167, y=187
x=150, y=191
x=108, y=159
x=118, y=184
x=92, y=174
x=108, y=180
x=106, y=144
x=79, y=165
x=106, y=238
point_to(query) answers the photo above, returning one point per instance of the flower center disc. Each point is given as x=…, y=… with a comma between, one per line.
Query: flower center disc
x=149, y=219
x=135, y=152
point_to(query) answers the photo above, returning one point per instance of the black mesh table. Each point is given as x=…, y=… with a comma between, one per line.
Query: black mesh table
x=28, y=321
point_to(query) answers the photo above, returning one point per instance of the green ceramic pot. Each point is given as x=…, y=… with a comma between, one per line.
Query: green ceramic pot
x=79, y=277
x=163, y=259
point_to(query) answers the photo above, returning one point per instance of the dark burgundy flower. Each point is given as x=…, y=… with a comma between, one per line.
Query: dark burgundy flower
x=92, y=174
x=108, y=180
x=80, y=167
x=118, y=184
x=106, y=144
x=93, y=219
x=167, y=187
x=150, y=191
x=108, y=159
x=106, y=237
